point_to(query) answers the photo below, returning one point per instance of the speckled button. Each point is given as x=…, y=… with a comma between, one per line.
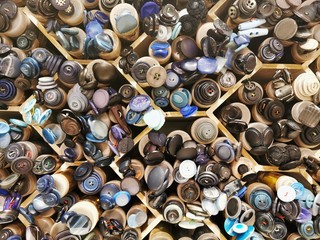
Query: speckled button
x=140, y=103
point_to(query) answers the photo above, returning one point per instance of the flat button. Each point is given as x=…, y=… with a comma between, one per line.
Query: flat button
x=22, y=165
x=264, y=222
x=83, y=171
x=122, y=198
x=156, y=76
x=285, y=29
x=9, y=8
x=172, y=80
x=188, y=169
x=139, y=71
x=13, y=151
x=100, y=98
x=261, y=200
x=92, y=184
x=286, y=193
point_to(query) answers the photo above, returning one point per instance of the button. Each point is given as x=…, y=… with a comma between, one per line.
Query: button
x=122, y=198
x=131, y=185
x=125, y=145
x=139, y=71
x=79, y=224
x=224, y=152
x=172, y=80
x=92, y=184
x=261, y=200
x=139, y=103
x=69, y=72
x=45, y=184
x=264, y=222
x=188, y=169
x=128, y=92
x=22, y=165
x=8, y=90
x=285, y=29
x=51, y=199
x=83, y=171
x=156, y=76
x=9, y=8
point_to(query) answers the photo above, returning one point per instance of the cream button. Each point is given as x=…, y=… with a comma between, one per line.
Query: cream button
x=310, y=45
x=221, y=201
x=188, y=169
x=156, y=76
x=286, y=193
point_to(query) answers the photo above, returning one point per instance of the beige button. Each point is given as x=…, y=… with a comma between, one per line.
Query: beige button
x=294, y=3
x=156, y=76
x=283, y=4
x=285, y=29
x=316, y=32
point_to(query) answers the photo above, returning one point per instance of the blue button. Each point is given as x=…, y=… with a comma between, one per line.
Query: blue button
x=304, y=216
x=52, y=199
x=107, y=202
x=161, y=102
x=241, y=192
x=45, y=184
x=172, y=80
x=132, y=117
x=67, y=215
x=91, y=138
x=92, y=184
x=14, y=237
x=4, y=128
x=93, y=28
x=49, y=136
x=188, y=111
x=18, y=122
x=122, y=198
x=5, y=140
x=306, y=230
x=160, y=53
x=207, y=65
x=140, y=103
x=109, y=189
x=27, y=215
x=307, y=199
x=149, y=8
x=159, y=45
x=299, y=188
x=160, y=92
x=261, y=200
x=247, y=234
x=228, y=225
x=39, y=205
x=189, y=65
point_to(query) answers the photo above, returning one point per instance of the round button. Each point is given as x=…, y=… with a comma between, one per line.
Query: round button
x=92, y=184
x=156, y=76
x=188, y=169
x=122, y=198
x=285, y=29
x=83, y=171
x=45, y=184
x=261, y=200
x=139, y=71
x=100, y=98
x=172, y=80
x=22, y=165
x=51, y=199
x=48, y=164
x=140, y=103
x=286, y=193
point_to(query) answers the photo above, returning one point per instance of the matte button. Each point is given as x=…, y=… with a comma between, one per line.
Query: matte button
x=156, y=76
x=261, y=200
x=188, y=169
x=285, y=29
x=122, y=198
x=9, y=8
x=83, y=171
x=286, y=193
x=128, y=92
x=139, y=71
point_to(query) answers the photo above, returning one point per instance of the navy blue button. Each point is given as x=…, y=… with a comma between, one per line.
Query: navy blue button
x=70, y=153
x=30, y=67
x=45, y=184
x=15, y=237
x=207, y=65
x=148, y=9
x=92, y=184
x=7, y=90
x=132, y=117
x=161, y=102
x=172, y=80
x=140, y=103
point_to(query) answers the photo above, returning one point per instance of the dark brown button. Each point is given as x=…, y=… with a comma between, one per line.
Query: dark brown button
x=125, y=145
x=104, y=72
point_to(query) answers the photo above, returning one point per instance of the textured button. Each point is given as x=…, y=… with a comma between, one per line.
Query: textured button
x=22, y=165
x=83, y=171
x=139, y=103
x=261, y=200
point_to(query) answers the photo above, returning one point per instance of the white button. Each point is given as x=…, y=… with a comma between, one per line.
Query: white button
x=210, y=207
x=240, y=228
x=222, y=201
x=310, y=45
x=211, y=193
x=195, y=217
x=188, y=169
x=286, y=193
x=190, y=224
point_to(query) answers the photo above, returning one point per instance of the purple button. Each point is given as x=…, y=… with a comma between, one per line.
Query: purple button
x=140, y=103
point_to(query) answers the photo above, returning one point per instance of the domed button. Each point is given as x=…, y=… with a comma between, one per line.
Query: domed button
x=224, y=152
x=45, y=184
x=22, y=165
x=48, y=164
x=69, y=72
x=52, y=97
x=275, y=110
x=261, y=200
x=92, y=184
x=8, y=90
x=83, y=171
x=281, y=230
x=140, y=103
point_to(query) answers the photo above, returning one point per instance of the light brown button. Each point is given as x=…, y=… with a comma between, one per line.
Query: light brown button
x=283, y=4
x=156, y=76
x=285, y=29
x=294, y=3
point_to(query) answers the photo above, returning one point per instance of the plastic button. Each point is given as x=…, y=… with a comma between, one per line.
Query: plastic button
x=83, y=171
x=187, y=169
x=45, y=184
